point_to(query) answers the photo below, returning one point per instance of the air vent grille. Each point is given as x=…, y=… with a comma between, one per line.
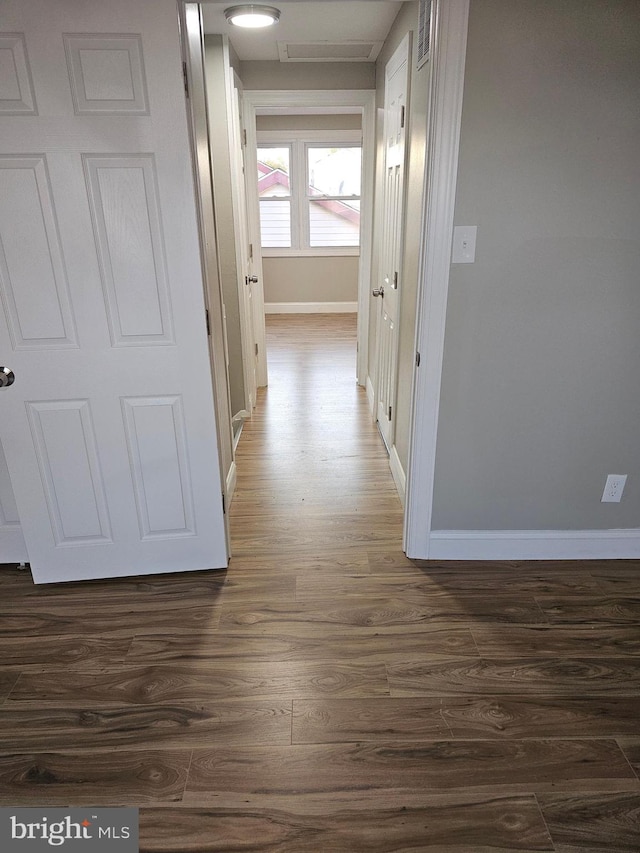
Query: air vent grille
x=424, y=31
x=325, y=51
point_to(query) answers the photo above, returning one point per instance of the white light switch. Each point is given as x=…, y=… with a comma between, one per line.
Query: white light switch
x=464, y=244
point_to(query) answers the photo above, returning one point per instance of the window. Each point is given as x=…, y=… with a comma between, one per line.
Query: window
x=309, y=196
x=274, y=191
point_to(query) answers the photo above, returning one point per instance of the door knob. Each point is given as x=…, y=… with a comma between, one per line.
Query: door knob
x=251, y=279
x=7, y=377
x=379, y=291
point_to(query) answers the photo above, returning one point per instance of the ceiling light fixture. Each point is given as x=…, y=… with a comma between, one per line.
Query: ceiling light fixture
x=252, y=15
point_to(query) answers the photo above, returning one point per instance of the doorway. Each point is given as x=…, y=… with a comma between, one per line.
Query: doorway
x=288, y=118
x=436, y=94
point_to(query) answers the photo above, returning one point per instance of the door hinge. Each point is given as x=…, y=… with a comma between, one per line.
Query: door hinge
x=224, y=506
x=390, y=411
x=244, y=135
x=256, y=349
x=186, y=79
x=206, y=314
x=402, y=116
x=417, y=359
x=395, y=281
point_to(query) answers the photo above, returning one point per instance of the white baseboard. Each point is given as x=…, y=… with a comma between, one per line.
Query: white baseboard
x=399, y=477
x=230, y=485
x=371, y=395
x=534, y=545
x=310, y=307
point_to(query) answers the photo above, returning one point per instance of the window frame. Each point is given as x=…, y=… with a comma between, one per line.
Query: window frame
x=293, y=216
x=299, y=141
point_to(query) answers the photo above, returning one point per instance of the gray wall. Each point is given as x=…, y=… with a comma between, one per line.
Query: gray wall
x=319, y=279
x=220, y=155
x=541, y=384
x=339, y=121
x=307, y=75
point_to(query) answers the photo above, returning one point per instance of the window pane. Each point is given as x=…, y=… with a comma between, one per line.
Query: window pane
x=273, y=172
x=334, y=171
x=275, y=223
x=334, y=223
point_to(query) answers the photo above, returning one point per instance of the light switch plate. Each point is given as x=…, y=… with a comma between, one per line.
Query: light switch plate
x=464, y=244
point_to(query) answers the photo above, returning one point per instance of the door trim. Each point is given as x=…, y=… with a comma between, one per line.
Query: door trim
x=191, y=31
x=325, y=101
x=448, y=54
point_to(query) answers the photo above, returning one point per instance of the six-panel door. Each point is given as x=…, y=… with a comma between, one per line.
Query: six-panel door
x=109, y=429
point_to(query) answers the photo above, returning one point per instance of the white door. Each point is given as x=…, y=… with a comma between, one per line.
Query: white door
x=387, y=290
x=109, y=428
x=248, y=268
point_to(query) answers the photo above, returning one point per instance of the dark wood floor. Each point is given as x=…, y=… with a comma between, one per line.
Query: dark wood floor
x=326, y=693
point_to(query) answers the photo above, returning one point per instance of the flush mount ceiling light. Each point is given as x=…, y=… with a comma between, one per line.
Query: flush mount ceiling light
x=252, y=15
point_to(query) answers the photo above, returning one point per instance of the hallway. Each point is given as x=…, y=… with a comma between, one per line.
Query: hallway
x=314, y=486
x=326, y=694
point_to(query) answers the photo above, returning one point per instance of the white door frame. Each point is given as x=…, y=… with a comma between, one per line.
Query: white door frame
x=310, y=102
x=197, y=114
x=448, y=53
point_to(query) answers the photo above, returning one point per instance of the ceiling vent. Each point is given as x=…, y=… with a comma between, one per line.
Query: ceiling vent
x=424, y=32
x=329, y=51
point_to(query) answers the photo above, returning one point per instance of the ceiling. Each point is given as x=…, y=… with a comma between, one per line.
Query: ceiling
x=335, y=23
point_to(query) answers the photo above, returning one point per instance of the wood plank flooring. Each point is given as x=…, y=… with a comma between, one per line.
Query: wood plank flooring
x=325, y=694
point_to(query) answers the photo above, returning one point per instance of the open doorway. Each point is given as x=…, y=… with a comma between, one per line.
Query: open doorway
x=300, y=276
x=268, y=76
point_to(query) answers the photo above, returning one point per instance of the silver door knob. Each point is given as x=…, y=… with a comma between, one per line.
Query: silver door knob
x=379, y=291
x=7, y=377
x=251, y=279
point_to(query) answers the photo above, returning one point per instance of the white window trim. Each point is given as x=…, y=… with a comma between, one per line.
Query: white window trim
x=298, y=140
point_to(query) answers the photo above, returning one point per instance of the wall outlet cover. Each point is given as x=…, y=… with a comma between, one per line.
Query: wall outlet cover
x=614, y=488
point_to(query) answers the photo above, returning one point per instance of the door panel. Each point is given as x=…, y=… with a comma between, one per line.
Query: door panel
x=125, y=212
x=109, y=429
x=155, y=428
x=37, y=318
x=66, y=452
x=396, y=85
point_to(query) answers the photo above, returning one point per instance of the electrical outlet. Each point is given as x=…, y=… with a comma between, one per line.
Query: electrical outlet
x=614, y=488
